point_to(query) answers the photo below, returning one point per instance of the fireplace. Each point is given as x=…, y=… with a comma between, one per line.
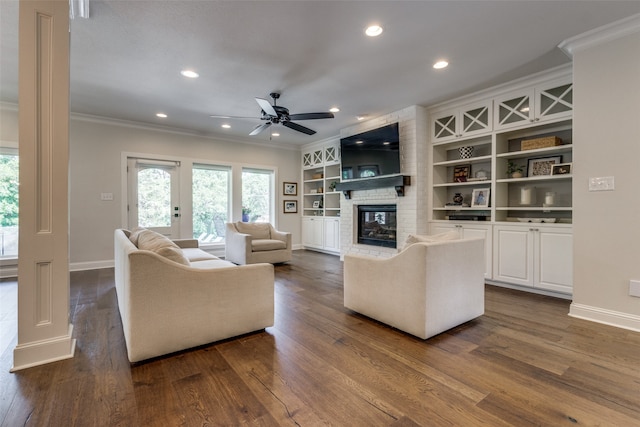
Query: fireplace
x=377, y=225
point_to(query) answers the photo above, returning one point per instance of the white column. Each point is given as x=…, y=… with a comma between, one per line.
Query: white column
x=44, y=329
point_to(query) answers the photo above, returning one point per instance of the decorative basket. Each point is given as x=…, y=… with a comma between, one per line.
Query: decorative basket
x=466, y=152
x=547, y=141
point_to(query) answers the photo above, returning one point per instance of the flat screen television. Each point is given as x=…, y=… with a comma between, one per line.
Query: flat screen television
x=371, y=154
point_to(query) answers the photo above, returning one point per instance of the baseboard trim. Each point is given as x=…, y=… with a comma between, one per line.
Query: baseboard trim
x=42, y=352
x=606, y=317
x=91, y=265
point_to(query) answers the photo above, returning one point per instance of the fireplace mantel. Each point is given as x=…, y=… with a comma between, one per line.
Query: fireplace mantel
x=398, y=182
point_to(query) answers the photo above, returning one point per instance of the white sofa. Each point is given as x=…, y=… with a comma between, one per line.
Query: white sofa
x=177, y=297
x=252, y=242
x=424, y=290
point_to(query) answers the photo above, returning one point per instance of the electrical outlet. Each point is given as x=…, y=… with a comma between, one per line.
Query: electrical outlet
x=634, y=288
x=106, y=196
x=603, y=183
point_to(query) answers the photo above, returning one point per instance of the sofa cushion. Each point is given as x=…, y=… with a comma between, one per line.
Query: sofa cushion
x=441, y=237
x=155, y=242
x=197, y=254
x=212, y=263
x=258, y=245
x=256, y=230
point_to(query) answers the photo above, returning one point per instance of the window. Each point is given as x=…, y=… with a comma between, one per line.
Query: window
x=8, y=203
x=210, y=193
x=257, y=195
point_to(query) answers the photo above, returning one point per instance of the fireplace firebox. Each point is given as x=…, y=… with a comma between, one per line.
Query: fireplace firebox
x=377, y=225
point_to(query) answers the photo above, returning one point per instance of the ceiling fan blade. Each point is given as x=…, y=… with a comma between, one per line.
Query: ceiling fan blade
x=260, y=128
x=298, y=127
x=266, y=107
x=311, y=116
x=215, y=116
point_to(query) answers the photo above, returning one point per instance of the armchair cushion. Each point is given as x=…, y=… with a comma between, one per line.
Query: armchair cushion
x=256, y=230
x=267, y=245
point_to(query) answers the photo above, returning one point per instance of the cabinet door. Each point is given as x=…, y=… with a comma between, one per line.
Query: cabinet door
x=476, y=119
x=554, y=101
x=332, y=234
x=513, y=255
x=554, y=253
x=307, y=160
x=331, y=154
x=312, y=232
x=514, y=109
x=484, y=232
x=445, y=126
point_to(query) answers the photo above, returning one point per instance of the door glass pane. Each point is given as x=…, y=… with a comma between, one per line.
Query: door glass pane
x=257, y=195
x=210, y=203
x=154, y=198
x=8, y=205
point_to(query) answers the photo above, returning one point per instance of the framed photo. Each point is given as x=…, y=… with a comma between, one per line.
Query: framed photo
x=290, y=188
x=480, y=197
x=316, y=204
x=561, y=169
x=461, y=173
x=543, y=166
x=290, y=206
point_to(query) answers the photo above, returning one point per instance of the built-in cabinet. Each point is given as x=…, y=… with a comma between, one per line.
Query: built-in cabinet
x=320, y=200
x=525, y=219
x=534, y=256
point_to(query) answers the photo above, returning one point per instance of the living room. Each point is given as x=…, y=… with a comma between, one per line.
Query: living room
x=605, y=246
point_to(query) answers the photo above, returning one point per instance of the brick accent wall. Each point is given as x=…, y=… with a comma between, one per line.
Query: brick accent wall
x=412, y=208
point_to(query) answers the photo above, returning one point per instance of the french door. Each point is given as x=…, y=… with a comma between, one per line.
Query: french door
x=153, y=195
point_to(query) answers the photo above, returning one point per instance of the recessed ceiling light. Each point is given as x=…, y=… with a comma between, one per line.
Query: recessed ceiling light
x=334, y=109
x=161, y=115
x=373, y=30
x=190, y=73
x=226, y=126
x=361, y=118
x=440, y=64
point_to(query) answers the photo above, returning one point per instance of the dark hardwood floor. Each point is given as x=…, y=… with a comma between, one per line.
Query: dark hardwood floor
x=524, y=363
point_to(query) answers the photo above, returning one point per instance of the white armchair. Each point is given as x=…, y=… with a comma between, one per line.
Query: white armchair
x=424, y=290
x=250, y=243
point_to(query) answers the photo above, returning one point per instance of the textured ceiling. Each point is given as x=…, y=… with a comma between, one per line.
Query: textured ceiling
x=126, y=59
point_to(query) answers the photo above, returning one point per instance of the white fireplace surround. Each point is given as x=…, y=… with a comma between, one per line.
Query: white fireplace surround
x=412, y=213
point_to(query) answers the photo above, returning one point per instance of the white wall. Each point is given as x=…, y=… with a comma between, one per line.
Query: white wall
x=606, y=136
x=95, y=168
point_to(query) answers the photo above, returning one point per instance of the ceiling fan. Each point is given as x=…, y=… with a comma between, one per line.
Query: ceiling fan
x=274, y=114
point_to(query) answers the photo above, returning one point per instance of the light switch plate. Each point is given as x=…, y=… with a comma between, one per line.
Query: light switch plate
x=603, y=183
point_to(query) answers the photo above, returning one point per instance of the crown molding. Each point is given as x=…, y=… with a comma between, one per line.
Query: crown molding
x=600, y=35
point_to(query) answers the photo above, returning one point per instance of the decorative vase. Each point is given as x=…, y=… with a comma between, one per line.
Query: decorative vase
x=528, y=196
x=245, y=217
x=516, y=174
x=466, y=152
x=458, y=199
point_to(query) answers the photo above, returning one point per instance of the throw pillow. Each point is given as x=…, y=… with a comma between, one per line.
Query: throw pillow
x=135, y=234
x=155, y=242
x=257, y=230
x=441, y=237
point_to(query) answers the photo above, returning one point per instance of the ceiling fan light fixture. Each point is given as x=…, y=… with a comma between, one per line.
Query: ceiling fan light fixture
x=275, y=134
x=373, y=30
x=190, y=74
x=440, y=64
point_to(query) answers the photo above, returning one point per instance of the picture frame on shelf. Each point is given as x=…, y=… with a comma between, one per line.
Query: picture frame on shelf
x=316, y=204
x=461, y=173
x=542, y=166
x=480, y=197
x=562, y=169
x=290, y=206
x=290, y=188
